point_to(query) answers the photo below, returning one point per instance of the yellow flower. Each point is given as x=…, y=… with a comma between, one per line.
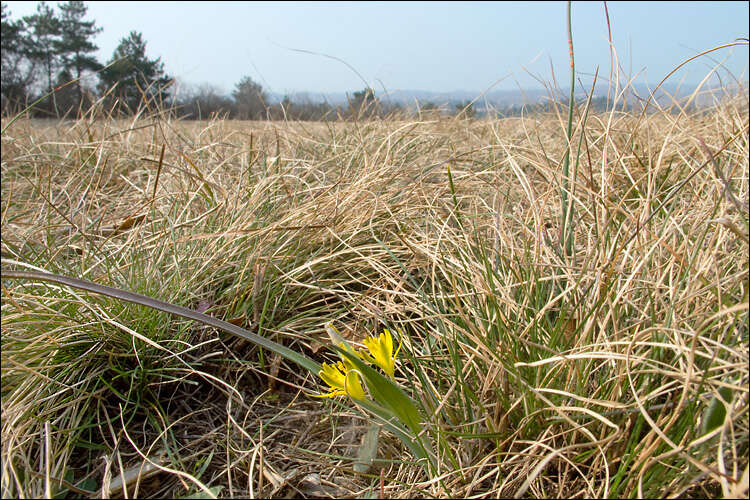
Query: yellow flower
x=343, y=380
x=381, y=352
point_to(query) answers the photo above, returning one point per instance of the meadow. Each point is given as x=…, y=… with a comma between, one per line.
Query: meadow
x=609, y=363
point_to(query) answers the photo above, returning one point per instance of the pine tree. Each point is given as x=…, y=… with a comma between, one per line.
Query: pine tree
x=131, y=70
x=249, y=99
x=17, y=72
x=44, y=37
x=75, y=46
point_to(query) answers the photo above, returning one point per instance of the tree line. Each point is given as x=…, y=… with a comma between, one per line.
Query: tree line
x=50, y=56
x=51, y=53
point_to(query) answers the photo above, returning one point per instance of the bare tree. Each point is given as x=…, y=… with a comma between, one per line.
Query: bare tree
x=204, y=101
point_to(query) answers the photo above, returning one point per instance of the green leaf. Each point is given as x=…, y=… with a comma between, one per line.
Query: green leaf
x=716, y=412
x=391, y=423
x=368, y=450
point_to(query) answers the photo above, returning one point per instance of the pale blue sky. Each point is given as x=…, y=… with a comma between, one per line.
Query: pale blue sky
x=434, y=46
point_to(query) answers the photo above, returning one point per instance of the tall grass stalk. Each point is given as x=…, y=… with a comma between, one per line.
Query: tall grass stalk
x=566, y=230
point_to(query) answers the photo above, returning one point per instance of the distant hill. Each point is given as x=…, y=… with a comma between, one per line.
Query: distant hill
x=411, y=97
x=494, y=99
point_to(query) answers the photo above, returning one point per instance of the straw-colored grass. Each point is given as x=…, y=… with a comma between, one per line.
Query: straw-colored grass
x=599, y=374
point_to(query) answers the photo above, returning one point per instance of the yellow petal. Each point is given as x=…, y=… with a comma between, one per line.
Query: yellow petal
x=342, y=380
x=333, y=376
x=381, y=352
x=354, y=385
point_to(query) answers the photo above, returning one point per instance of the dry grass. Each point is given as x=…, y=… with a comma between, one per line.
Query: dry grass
x=538, y=374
